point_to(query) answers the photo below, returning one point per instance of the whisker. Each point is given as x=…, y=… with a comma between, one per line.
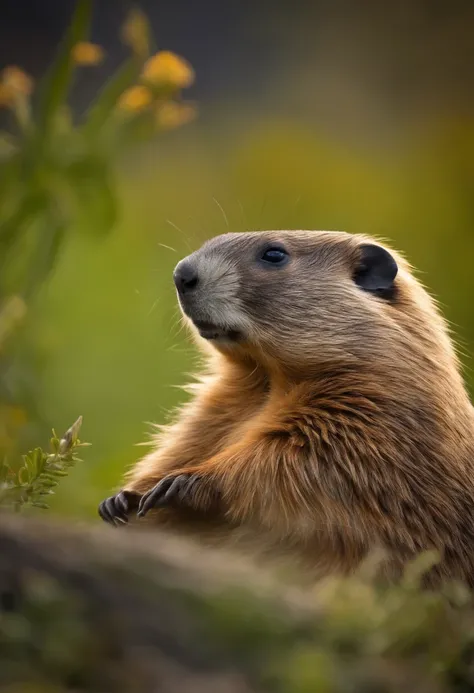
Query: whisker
x=168, y=247
x=168, y=221
x=178, y=349
x=155, y=303
x=175, y=327
x=223, y=213
x=178, y=325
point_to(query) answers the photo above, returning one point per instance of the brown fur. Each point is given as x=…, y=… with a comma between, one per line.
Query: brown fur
x=337, y=424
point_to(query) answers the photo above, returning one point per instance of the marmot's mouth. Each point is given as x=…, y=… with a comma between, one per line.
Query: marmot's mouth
x=210, y=331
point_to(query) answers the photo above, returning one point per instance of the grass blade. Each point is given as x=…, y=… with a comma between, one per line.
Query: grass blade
x=58, y=82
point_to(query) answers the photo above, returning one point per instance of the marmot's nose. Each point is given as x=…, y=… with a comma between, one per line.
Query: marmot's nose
x=185, y=276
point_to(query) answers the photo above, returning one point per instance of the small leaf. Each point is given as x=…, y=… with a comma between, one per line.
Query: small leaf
x=39, y=457
x=74, y=429
x=30, y=465
x=49, y=477
x=23, y=476
x=40, y=504
x=48, y=483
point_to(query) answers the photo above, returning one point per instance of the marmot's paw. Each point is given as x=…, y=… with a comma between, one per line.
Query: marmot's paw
x=170, y=490
x=115, y=510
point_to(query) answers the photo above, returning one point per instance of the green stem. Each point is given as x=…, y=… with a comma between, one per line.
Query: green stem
x=59, y=82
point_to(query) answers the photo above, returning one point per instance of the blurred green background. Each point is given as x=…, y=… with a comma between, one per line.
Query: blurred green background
x=351, y=125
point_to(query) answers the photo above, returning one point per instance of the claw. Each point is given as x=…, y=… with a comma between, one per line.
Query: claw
x=115, y=509
x=103, y=513
x=121, y=502
x=165, y=491
x=152, y=498
x=106, y=511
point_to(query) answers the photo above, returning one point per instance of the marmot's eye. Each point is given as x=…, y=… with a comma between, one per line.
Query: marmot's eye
x=274, y=256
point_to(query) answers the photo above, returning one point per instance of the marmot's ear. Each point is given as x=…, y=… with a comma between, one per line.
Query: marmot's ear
x=376, y=270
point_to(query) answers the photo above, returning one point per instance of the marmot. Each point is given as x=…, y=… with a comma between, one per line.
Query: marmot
x=333, y=415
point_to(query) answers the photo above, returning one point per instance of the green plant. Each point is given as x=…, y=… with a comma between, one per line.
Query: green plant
x=57, y=174
x=40, y=472
x=57, y=177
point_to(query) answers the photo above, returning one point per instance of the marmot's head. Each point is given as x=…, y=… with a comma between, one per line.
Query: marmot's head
x=306, y=297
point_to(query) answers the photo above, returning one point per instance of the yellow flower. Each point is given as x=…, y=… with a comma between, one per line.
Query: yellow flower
x=135, y=99
x=167, y=69
x=171, y=115
x=15, y=80
x=85, y=53
x=135, y=33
